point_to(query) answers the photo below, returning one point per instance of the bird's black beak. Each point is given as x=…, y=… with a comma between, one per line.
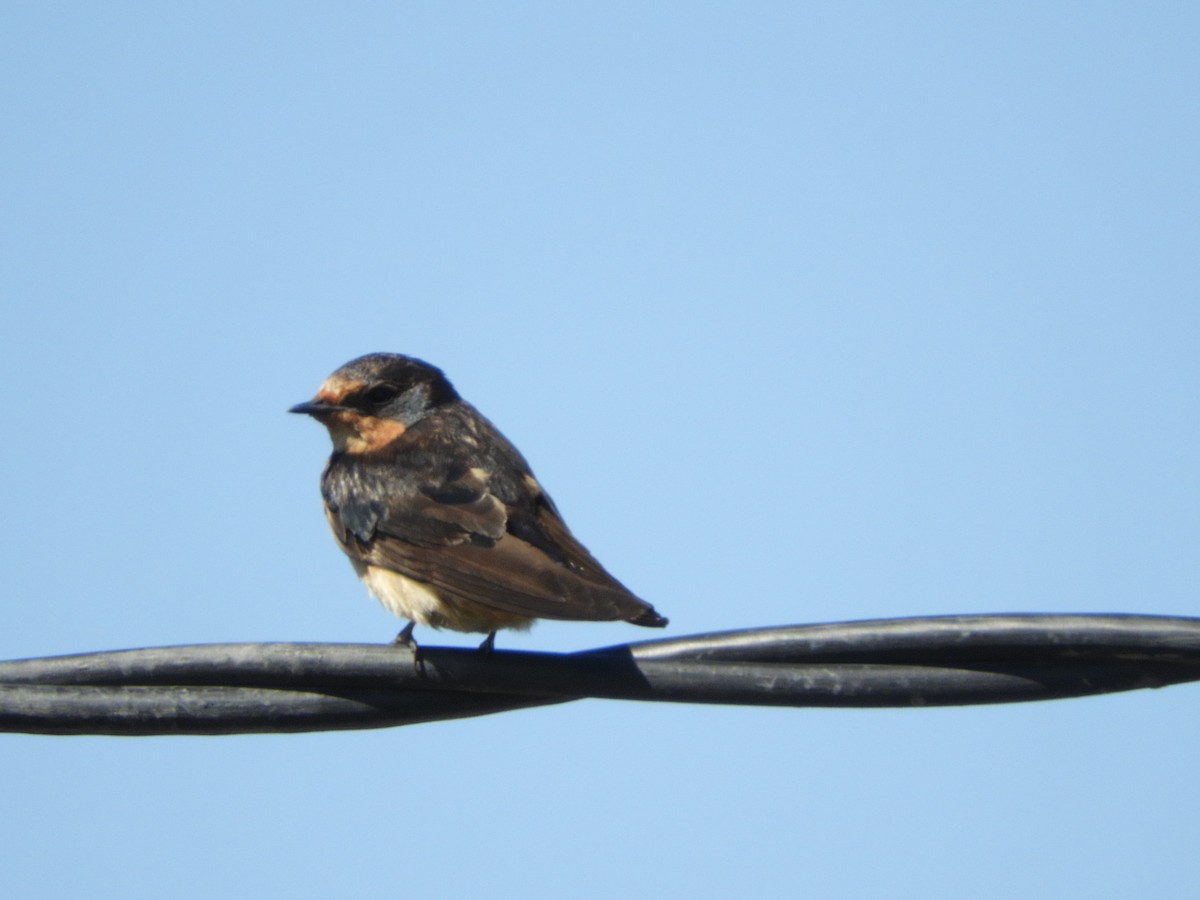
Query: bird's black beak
x=315, y=408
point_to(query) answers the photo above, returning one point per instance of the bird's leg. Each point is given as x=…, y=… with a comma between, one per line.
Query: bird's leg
x=405, y=638
x=488, y=645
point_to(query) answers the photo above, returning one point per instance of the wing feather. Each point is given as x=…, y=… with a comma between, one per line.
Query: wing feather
x=510, y=576
x=504, y=548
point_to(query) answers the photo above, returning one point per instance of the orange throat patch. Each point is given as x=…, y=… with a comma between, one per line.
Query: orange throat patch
x=354, y=432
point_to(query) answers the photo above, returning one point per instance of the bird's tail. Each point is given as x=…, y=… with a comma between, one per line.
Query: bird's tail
x=650, y=619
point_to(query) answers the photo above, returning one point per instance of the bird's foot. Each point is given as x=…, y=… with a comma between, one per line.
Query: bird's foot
x=488, y=645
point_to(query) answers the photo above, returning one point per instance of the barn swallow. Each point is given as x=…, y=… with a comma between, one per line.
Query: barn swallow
x=441, y=516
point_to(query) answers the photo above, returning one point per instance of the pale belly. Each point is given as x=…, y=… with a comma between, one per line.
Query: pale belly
x=418, y=602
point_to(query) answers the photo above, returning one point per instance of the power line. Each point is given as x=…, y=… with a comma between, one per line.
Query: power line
x=933, y=661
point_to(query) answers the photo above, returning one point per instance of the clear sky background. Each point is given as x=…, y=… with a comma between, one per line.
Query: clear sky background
x=802, y=313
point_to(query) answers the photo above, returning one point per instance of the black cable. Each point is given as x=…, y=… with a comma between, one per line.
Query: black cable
x=949, y=660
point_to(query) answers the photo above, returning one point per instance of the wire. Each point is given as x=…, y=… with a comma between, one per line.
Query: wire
x=935, y=661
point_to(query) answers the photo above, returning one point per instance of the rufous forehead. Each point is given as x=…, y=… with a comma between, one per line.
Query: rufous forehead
x=337, y=387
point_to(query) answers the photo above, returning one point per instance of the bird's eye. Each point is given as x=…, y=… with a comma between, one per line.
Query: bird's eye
x=382, y=394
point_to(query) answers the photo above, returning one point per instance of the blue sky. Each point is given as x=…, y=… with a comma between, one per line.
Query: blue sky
x=802, y=312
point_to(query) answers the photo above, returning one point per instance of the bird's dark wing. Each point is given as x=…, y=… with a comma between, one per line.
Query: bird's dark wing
x=459, y=509
x=469, y=544
x=511, y=576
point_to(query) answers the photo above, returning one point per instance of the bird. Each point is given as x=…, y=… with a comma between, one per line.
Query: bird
x=441, y=516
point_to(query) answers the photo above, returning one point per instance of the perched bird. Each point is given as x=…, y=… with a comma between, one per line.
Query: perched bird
x=440, y=515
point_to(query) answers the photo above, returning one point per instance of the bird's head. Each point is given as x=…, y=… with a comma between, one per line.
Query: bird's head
x=372, y=400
